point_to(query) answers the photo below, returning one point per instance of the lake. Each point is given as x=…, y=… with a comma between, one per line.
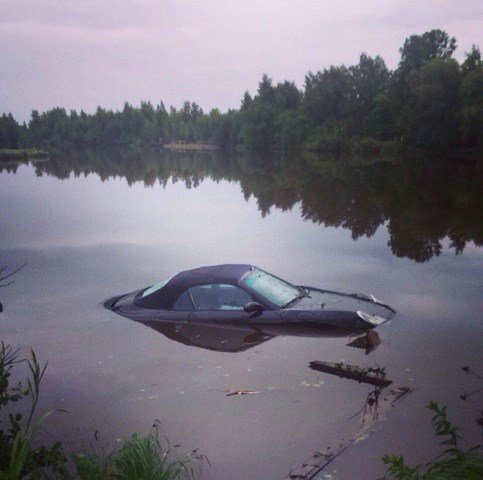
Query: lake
x=91, y=225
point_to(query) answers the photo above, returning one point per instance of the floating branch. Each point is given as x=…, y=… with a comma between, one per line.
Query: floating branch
x=311, y=468
x=4, y=276
x=373, y=376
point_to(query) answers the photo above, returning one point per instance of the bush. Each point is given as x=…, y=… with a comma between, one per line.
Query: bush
x=330, y=138
x=454, y=464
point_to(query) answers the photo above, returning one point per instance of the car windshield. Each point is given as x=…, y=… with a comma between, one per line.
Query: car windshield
x=155, y=287
x=274, y=289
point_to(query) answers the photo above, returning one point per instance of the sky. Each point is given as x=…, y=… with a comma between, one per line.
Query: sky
x=85, y=54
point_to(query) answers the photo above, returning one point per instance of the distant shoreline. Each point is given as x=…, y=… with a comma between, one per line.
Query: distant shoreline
x=19, y=155
x=190, y=146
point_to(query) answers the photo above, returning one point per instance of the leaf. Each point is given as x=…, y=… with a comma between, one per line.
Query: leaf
x=240, y=392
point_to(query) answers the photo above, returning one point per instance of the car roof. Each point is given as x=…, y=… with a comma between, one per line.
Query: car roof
x=165, y=297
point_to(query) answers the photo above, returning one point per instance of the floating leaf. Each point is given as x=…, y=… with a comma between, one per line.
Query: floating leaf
x=240, y=392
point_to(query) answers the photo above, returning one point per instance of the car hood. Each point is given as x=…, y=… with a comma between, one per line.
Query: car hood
x=318, y=299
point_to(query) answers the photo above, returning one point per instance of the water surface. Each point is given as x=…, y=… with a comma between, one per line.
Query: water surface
x=93, y=225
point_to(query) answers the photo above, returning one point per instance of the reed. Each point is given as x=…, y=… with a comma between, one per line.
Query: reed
x=18, y=458
x=140, y=458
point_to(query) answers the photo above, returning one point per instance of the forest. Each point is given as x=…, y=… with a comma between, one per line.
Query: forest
x=430, y=101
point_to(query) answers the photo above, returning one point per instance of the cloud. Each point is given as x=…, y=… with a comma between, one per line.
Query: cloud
x=88, y=15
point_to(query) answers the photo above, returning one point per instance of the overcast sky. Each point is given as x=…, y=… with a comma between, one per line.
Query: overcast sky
x=85, y=53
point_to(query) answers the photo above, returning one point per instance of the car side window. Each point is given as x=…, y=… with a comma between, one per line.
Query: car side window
x=219, y=296
x=184, y=302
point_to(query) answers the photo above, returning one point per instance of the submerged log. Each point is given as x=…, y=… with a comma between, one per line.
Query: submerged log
x=315, y=464
x=365, y=375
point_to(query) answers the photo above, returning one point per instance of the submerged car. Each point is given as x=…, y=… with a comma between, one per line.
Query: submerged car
x=247, y=295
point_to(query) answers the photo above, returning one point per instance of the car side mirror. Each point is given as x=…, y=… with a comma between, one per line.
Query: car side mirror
x=253, y=307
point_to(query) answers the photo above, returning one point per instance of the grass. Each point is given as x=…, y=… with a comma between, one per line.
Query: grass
x=138, y=458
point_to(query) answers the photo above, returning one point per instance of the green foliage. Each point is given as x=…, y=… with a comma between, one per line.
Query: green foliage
x=330, y=138
x=9, y=132
x=139, y=458
x=290, y=128
x=420, y=49
x=145, y=125
x=18, y=457
x=368, y=147
x=472, y=60
x=91, y=466
x=435, y=101
x=424, y=92
x=471, y=92
x=22, y=155
x=380, y=122
x=328, y=95
x=427, y=102
x=454, y=463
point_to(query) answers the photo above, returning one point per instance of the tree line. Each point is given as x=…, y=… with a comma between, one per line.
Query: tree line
x=430, y=100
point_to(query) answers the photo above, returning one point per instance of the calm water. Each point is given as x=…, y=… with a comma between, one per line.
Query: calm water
x=90, y=226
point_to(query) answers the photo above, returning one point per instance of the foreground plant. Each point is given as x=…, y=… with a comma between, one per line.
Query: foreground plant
x=18, y=458
x=453, y=464
x=140, y=458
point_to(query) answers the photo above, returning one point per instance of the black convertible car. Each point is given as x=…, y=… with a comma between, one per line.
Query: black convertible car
x=244, y=294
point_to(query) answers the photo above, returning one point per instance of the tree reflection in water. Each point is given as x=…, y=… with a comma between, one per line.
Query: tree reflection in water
x=421, y=203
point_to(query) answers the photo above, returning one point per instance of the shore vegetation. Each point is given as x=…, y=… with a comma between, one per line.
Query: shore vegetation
x=430, y=101
x=454, y=463
x=23, y=456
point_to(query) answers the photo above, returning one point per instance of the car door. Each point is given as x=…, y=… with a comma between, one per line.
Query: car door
x=224, y=303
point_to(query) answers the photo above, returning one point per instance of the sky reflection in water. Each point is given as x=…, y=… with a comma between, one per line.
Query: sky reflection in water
x=85, y=240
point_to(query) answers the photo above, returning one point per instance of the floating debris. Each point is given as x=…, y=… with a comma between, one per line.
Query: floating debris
x=320, y=459
x=373, y=376
x=240, y=392
x=479, y=420
x=368, y=342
